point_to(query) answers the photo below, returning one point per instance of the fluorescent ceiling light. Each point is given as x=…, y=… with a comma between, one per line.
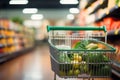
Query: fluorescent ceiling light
x=30, y=10
x=70, y=16
x=37, y=17
x=74, y=10
x=68, y=1
x=18, y=2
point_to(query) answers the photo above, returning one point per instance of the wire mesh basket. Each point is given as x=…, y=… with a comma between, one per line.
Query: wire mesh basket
x=80, y=52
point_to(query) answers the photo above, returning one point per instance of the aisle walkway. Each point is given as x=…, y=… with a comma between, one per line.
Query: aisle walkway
x=32, y=66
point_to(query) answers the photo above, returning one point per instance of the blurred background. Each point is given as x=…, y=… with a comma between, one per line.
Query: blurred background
x=23, y=26
x=38, y=13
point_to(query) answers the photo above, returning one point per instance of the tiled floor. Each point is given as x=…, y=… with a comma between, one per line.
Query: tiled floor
x=34, y=65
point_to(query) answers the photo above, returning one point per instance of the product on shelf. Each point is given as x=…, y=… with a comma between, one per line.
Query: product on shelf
x=4, y=23
x=2, y=50
x=118, y=2
x=109, y=17
x=3, y=41
x=110, y=23
x=14, y=37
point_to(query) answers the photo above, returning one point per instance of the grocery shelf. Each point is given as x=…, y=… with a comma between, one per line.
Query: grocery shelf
x=114, y=12
x=10, y=45
x=10, y=29
x=90, y=2
x=9, y=36
x=3, y=55
x=1, y=36
x=115, y=73
x=114, y=39
x=18, y=30
x=103, y=5
x=2, y=60
x=6, y=57
x=2, y=45
x=116, y=68
x=112, y=32
x=2, y=28
x=112, y=36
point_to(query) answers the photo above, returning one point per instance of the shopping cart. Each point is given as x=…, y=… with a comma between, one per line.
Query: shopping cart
x=80, y=52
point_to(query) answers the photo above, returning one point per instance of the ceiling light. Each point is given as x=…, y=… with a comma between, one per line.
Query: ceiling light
x=68, y=1
x=37, y=17
x=18, y=2
x=30, y=10
x=74, y=10
x=70, y=16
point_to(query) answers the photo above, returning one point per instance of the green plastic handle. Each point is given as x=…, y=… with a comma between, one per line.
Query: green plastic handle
x=76, y=28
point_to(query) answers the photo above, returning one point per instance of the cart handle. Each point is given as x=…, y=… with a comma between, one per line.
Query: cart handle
x=76, y=28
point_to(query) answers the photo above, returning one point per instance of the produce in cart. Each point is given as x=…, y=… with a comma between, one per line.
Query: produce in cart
x=89, y=45
x=81, y=55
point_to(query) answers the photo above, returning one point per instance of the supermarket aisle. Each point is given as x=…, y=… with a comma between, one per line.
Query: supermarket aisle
x=32, y=66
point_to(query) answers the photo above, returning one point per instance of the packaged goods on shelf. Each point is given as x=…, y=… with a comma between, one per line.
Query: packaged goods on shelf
x=14, y=37
x=110, y=22
x=109, y=17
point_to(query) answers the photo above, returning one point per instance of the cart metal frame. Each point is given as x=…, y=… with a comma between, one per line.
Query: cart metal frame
x=59, y=35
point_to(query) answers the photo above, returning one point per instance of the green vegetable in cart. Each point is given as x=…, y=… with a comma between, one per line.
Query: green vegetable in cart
x=105, y=58
x=106, y=70
x=62, y=73
x=95, y=57
x=63, y=57
x=75, y=64
x=76, y=72
x=91, y=46
x=83, y=67
x=77, y=57
x=88, y=45
x=81, y=44
x=70, y=73
x=99, y=49
x=102, y=71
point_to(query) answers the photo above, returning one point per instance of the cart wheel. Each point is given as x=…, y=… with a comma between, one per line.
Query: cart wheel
x=54, y=76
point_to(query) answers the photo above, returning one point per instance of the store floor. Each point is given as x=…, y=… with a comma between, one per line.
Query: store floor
x=34, y=65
